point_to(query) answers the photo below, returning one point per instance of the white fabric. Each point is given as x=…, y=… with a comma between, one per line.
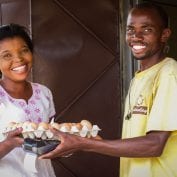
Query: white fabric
x=40, y=108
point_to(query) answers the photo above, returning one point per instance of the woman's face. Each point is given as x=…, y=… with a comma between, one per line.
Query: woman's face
x=15, y=59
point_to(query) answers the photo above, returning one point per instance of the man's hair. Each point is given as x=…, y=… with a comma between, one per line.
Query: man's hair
x=161, y=12
x=15, y=30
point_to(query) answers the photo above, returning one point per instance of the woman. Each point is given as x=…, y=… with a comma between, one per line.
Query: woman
x=20, y=100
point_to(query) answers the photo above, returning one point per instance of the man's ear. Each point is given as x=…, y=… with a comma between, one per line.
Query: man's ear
x=165, y=35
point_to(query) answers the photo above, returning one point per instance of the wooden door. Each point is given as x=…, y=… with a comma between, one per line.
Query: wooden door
x=76, y=56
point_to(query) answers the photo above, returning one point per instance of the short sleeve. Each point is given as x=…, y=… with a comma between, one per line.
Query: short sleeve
x=52, y=106
x=163, y=114
x=46, y=103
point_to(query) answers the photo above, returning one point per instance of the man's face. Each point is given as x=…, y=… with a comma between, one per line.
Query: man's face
x=144, y=33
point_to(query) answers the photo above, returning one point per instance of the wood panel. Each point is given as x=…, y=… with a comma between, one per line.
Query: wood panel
x=76, y=56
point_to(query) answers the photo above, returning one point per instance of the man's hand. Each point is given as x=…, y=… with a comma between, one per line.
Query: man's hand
x=69, y=144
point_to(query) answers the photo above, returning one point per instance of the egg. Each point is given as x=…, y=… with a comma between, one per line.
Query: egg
x=87, y=124
x=65, y=127
x=25, y=126
x=42, y=130
x=75, y=127
x=43, y=126
x=55, y=125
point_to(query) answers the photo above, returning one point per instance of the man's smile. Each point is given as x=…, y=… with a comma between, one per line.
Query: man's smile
x=138, y=48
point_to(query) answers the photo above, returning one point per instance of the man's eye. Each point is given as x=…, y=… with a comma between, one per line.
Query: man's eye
x=147, y=30
x=130, y=31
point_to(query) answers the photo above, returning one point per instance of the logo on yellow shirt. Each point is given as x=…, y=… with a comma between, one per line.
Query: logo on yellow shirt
x=139, y=108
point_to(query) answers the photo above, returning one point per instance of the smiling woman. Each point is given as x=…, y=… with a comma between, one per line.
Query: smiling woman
x=15, y=60
x=20, y=100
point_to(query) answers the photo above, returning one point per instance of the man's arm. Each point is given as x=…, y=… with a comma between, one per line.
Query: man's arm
x=151, y=145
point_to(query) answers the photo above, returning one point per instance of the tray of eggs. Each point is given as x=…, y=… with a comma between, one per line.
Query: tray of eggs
x=39, y=139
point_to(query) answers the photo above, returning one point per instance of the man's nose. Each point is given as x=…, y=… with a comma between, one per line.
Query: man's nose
x=137, y=35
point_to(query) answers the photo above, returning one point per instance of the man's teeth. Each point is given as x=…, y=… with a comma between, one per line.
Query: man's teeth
x=138, y=47
x=20, y=68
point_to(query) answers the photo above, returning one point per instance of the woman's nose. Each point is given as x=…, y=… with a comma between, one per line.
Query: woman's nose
x=18, y=58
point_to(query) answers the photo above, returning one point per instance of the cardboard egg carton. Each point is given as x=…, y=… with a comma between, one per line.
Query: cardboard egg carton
x=42, y=130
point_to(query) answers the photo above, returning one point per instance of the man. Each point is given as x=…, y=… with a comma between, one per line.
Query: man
x=148, y=147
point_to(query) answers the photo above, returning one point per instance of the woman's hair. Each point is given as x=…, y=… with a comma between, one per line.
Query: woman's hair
x=15, y=30
x=160, y=11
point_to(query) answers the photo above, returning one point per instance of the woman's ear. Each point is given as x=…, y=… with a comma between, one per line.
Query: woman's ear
x=165, y=35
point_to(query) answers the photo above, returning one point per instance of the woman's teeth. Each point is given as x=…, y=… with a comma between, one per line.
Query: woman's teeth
x=20, y=68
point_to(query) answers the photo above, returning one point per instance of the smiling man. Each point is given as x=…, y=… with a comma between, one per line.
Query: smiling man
x=148, y=147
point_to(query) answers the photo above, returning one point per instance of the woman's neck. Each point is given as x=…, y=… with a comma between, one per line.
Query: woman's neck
x=18, y=90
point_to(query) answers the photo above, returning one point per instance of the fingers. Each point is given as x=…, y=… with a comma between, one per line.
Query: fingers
x=14, y=138
x=58, y=152
x=18, y=142
x=15, y=132
x=65, y=148
x=58, y=134
x=97, y=137
x=50, y=155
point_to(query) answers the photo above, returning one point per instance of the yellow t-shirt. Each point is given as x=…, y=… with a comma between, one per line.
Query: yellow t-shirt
x=152, y=101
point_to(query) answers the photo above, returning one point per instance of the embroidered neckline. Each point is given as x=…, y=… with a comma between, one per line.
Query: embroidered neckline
x=35, y=93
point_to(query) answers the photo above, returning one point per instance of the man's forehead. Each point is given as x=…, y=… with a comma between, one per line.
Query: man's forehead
x=143, y=16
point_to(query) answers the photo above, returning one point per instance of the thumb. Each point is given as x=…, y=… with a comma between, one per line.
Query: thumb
x=57, y=133
x=15, y=132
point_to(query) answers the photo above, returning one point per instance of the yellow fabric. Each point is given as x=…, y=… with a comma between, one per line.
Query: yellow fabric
x=152, y=99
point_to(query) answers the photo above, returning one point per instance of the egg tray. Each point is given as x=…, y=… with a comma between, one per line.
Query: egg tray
x=47, y=134
x=43, y=141
x=42, y=130
x=39, y=139
x=38, y=134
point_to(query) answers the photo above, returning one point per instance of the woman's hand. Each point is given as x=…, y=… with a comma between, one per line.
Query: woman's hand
x=12, y=140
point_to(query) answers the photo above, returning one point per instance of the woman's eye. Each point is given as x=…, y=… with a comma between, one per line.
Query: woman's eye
x=25, y=50
x=6, y=56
